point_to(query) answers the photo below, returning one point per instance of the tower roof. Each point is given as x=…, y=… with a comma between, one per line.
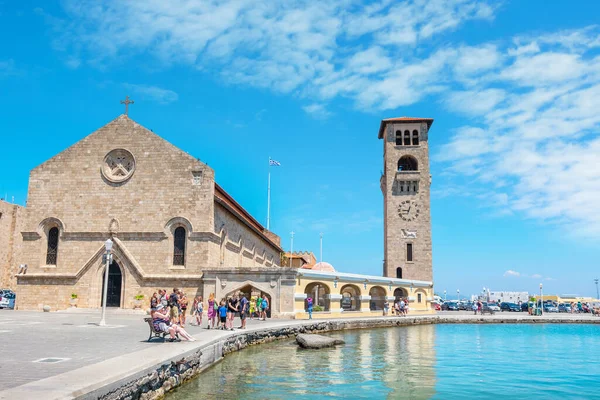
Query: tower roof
x=407, y=120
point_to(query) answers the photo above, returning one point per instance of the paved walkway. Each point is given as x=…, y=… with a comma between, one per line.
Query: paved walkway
x=29, y=336
x=77, y=340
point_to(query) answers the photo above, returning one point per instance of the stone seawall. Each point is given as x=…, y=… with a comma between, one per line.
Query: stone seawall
x=154, y=383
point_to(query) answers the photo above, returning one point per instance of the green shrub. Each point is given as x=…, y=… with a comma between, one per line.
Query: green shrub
x=318, y=308
x=139, y=297
x=73, y=295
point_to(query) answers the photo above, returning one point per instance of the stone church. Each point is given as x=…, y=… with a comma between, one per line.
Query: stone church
x=172, y=226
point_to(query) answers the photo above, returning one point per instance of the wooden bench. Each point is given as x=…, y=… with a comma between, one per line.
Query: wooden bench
x=154, y=332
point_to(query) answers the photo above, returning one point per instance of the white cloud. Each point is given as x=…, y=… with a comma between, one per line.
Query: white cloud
x=475, y=102
x=536, y=276
x=317, y=110
x=512, y=273
x=153, y=93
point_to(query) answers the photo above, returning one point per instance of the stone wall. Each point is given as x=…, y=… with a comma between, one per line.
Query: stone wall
x=11, y=217
x=395, y=236
x=240, y=246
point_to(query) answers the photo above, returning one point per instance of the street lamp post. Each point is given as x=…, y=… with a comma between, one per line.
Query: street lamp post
x=458, y=294
x=597, y=293
x=108, y=247
x=541, y=300
x=291, y=248
x=444, y=295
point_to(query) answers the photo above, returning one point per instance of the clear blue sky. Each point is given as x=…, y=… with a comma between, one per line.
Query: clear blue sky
x=514, y=88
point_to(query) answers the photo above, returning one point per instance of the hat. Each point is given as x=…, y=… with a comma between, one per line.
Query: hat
x=160, y=307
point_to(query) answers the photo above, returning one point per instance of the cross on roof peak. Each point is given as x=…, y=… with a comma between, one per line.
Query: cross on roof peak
x=127, y=102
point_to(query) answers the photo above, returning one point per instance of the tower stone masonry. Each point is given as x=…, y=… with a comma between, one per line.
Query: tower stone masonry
x=405, y=185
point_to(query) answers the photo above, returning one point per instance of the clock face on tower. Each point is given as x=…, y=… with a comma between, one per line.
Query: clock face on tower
x=409, y=210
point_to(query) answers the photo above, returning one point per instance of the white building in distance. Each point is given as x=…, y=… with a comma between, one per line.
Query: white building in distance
x=508, y=297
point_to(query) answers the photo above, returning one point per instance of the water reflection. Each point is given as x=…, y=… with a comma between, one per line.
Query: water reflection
x=442, y=362
x=395, y=363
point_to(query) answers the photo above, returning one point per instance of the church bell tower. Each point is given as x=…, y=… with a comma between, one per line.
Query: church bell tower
x=405, y=184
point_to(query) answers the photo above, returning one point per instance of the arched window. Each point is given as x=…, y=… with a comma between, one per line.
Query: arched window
x=419, y=298
x=398, y=138
x=400, y=293
x=407, y=163
x=406, y=138
x=399, y=273
x=179, y=246
x=415, y=138
x=52, y=251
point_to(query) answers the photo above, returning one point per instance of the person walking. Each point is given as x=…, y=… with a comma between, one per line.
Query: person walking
x=154, y=301
x=402, y=307
x=232, y=308
x=309, y=303
x=252, y=307
x=211, y=311
x=199, y=310
x=475, y=306
x=174, y=304
x=222, y=315
x=264, y=306
x=386, y=307
x=258, y=305
x=243, y=307
x=183, y=305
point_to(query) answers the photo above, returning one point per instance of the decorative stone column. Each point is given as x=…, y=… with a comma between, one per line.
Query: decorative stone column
x=299, y=299
x=332, y=298
x=364, y=303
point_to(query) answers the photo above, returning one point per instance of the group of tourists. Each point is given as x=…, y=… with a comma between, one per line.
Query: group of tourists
x=221, y=314
x=168, y=314
x=477, y=307
x=400, y=307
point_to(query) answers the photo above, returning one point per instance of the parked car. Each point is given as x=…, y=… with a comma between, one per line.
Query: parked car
x=7, y=300
x=564, y=307
x=437, y=307
x=493, y=306
x=510, y=307
x=486, y=309
x=548, y=307
x=450, y=306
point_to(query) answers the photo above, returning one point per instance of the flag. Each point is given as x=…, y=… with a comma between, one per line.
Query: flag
x=274, y=163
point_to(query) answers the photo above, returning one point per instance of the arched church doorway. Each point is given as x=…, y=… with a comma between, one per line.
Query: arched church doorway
x=252, y=293
x=115, y=284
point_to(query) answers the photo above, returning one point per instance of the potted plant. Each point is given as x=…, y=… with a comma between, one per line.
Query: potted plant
x=138, y=300
x=73, y=300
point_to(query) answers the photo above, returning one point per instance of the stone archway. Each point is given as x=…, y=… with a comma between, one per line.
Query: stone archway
x=251, y=293
x=377, y=294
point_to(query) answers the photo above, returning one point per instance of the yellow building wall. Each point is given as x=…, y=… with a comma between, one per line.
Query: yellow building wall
x=335, y=289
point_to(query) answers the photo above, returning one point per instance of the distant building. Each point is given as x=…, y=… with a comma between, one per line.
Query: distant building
x=300, y=259
x=508, y=297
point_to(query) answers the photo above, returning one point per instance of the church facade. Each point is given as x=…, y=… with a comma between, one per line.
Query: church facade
x=171, y=225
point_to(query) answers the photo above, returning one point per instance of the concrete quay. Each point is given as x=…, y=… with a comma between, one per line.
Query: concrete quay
x=115, y=362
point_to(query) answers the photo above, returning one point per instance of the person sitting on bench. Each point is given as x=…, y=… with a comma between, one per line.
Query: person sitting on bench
x=161, y=322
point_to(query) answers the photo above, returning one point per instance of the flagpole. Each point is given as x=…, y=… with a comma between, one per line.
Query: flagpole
x=269, y=197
